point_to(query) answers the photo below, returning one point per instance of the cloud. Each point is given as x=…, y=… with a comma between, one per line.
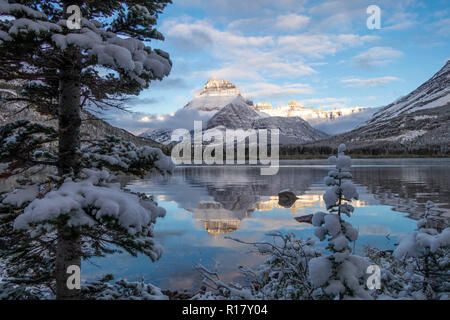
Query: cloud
x=140, y=101
x=170, y=83
x=254, y=58
x=400, y=21
x=245, y=7
x=320, y=45
x=377, y=56
x=200, y=34
x=288, y=23
x=351, y=15
x=138, y=122
x=443, y=27
x=291, y=22
x=269, y=90
x=344, y=123
x=368, y=83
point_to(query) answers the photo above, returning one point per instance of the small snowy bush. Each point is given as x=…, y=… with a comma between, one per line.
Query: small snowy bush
x=284, y=276
x=339, y=274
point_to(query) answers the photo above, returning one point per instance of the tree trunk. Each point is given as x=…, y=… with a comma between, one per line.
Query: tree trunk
x=67, y=255
x=69, y=120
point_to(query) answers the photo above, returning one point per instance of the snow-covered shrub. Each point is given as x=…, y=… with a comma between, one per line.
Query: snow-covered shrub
x=427, y=252
x=283, y=276
x=122, y=289
x=419, y=268
x=339, y=274
x=106, y=217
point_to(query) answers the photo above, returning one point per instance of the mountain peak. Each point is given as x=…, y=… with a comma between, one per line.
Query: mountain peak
x=214, y=86
x=215, y=95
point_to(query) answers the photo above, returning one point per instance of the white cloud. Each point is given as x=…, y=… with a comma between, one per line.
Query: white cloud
x=320, y=45
x=237, y=57
x=269, y=90
x=368, y=83
x=291, y=22
x=400, y=21
x=201, y=34
x=245, y=7
x=377, y=56
x=287, y=22
x=326, y=101
x=138, y=122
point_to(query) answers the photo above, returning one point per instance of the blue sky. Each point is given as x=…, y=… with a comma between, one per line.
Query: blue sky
x=319, y=53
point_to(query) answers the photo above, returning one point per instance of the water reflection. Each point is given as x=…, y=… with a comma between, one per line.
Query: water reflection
x=206, y=203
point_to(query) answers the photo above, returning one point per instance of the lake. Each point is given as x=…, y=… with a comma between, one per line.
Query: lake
x=205, y=204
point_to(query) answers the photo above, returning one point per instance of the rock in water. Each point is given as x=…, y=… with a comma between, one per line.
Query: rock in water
x=286, y=199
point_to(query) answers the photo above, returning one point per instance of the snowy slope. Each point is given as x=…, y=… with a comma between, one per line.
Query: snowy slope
x=215, y=95
x=418, y=123
x=159, y=135
x=432, y=94
x=238, y=115
x=343, y=123
x=294, y=109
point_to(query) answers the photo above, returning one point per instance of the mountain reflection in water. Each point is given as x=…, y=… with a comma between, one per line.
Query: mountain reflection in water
x=204, y=204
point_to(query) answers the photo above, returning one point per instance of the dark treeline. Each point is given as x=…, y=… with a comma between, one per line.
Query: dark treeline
x=312, y=151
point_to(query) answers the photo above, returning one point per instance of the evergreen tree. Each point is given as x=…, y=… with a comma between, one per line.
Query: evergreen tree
x=339, y=274
x=427, y=252
x=63, y=70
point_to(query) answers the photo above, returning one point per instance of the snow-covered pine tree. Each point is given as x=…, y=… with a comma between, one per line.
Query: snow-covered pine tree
x=427, y=253
x=339, y=274
x=63, y=70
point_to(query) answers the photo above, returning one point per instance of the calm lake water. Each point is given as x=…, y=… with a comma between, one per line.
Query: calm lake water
x=206, y=204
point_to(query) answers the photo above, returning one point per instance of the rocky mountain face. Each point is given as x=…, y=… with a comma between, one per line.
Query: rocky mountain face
x=432, y=94
x=92, y=127
x=293, y=109
x=215, y=95
x=239, y=115
x=161, y=136
x=415, y=123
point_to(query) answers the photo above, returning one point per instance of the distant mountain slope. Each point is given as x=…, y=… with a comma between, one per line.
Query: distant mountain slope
x=410, y=133
x=92, y=127
x=344, y=123
x=158, y=135
x=239, y=115
x=433, y=93
x=418, y=123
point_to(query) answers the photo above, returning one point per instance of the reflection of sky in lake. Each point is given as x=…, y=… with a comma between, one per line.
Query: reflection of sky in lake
x=206, y=204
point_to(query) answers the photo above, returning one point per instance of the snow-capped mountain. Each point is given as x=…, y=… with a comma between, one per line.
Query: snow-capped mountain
x=215, y=95
x=293, y=109
x=433, y=93
x=239, y=115
x=417, y=123
x=159, y=135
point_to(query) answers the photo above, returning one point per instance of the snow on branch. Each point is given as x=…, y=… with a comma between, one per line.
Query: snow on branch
x=89, y=201
x=118, y=155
